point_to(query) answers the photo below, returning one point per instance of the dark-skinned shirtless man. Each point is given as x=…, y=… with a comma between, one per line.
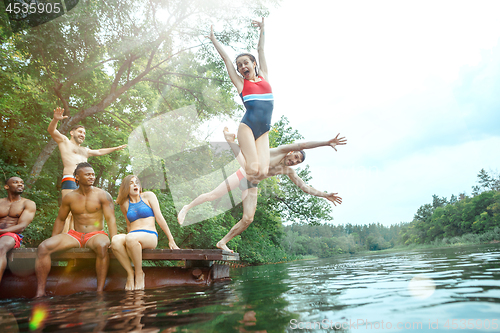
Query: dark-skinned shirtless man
x=16, y=213
x=89, y=205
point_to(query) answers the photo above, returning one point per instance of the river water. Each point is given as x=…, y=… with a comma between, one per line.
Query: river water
x=432, y=290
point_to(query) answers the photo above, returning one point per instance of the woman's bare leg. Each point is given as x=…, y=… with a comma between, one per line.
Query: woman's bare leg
x=135, y=242
x=249, y=151
x=262, y=145
x=120, y=252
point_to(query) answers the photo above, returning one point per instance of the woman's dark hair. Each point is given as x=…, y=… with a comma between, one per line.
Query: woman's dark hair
x=252, y=58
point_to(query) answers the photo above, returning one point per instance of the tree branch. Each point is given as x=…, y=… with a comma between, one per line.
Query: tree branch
x=57, y=90
x=123, y=121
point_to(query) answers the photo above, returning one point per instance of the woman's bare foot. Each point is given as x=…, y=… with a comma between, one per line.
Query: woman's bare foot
x=224, y=247
x=130, y=285
x=139, y=282
x=182, y=214
x=173, y=246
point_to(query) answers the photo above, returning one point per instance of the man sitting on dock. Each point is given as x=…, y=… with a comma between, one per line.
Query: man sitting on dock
x=16, y=213
x=88, y=205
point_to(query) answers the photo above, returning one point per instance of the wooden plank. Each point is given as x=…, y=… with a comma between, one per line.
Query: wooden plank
x=156, y=254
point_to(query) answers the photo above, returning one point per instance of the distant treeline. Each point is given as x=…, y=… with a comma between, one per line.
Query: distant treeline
x=461, y=219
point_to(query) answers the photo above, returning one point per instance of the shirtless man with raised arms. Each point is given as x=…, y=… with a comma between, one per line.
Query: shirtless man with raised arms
x=281, y=160
x=16, y=213
x=72, y=153
x=89, y=205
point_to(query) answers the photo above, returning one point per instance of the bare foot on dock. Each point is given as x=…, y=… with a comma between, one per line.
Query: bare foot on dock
x=40, y=295
x=182, y=215
x=130, y=285
x=173, y=246
x=224, y=247
x=139, y=282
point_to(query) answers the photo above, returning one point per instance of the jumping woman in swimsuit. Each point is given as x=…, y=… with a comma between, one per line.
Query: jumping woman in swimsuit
x=257, y=96
x=140, y=209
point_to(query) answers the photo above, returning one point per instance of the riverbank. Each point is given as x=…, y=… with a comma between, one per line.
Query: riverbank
x=491, y=237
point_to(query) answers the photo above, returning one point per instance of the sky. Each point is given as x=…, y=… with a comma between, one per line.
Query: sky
x=413, y=86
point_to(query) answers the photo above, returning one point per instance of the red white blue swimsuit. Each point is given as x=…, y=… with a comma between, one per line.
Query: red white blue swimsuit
x=259, y=102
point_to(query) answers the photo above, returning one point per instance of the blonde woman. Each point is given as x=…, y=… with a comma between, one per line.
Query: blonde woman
x=140, y=209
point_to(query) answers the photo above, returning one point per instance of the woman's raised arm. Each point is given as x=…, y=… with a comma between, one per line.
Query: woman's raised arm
x=233, y=75
x=260, y=49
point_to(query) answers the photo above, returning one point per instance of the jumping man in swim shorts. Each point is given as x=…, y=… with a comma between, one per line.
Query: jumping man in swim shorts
x=281, y=160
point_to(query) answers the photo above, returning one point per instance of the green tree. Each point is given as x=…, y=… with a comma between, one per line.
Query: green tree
x=125, y=59
x=486, y=183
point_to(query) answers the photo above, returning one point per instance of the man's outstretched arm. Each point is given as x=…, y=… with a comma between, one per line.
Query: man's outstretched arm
x=310, y=190
x=336, y=141
x=104, y=151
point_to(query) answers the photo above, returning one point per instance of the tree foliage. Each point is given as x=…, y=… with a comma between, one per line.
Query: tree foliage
x=469, y=215
x=116, y=63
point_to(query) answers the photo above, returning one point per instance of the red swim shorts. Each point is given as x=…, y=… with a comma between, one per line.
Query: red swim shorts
x=17, y=238
x=82, y=237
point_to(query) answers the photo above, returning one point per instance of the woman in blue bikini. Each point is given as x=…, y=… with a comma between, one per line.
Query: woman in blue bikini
x=255, y=91
x=140, y=209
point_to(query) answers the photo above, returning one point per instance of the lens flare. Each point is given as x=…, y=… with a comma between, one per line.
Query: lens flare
x=421, y=287
x=38, y=316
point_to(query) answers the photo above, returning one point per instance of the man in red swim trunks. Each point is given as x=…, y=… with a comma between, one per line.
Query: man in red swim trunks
x=89, y=205
x=16, y=213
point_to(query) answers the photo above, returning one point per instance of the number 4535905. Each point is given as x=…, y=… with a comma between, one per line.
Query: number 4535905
x=32, y=8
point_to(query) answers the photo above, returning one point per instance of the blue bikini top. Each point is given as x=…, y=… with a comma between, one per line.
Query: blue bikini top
x=138, y=210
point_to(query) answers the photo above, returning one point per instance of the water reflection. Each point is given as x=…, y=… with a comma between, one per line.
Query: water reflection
x=345, y=294
x=128, y=314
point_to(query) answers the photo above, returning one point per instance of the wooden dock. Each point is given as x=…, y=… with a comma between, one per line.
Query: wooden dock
x=156, y=254
x=201, y=268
